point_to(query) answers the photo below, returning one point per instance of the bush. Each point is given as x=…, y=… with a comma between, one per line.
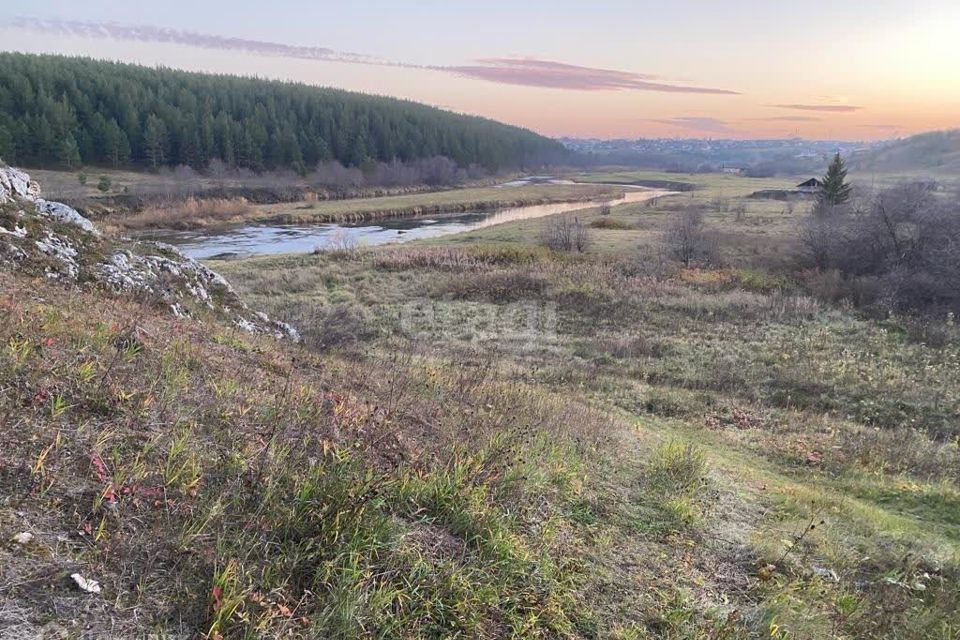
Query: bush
x=565, y=233
x=685, y=238
x=104, y=184
x=610, y=223
x=905, y=243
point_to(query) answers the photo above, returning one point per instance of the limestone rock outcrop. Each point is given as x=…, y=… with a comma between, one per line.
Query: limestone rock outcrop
x=54, y=240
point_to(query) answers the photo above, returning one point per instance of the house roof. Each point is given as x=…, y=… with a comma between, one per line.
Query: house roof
x=812, y=182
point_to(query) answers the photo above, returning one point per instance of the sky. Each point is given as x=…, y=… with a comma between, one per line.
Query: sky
x=820, y=69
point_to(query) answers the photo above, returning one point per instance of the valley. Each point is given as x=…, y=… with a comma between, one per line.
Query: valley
x=409, y=337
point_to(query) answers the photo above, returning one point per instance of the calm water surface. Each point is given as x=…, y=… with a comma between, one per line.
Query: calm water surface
x=266, y=239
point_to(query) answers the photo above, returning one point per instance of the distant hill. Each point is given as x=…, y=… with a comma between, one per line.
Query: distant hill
x=63, y=111
x=935, y=152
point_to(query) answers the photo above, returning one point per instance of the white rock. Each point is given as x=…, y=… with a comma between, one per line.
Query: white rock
x=62, y=213
x=18, y=231
x=23, y=538
x=62, y=250
x=90, y=586
x=246, y=325
x=16, y=184
x=287, y=331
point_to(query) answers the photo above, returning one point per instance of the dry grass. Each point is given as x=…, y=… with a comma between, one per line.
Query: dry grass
x=191, y=213
x=701, y=452
x=220, y=485
x=794, y=404
x=469, y=199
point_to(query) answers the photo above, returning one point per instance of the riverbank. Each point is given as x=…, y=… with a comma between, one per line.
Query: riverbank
x=226, y=213
x=266, y=239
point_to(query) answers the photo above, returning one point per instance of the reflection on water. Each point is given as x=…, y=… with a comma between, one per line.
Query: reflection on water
x=265, y=239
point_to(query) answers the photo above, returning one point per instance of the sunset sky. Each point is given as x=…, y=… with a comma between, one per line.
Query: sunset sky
x=687, y=68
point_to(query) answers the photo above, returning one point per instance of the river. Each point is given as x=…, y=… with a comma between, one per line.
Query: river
x=267, y=239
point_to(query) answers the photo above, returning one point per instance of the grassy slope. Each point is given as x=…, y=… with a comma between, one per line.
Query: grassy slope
x=935, y=152
x=635, y=464
x=214, y=483
x=804, y=414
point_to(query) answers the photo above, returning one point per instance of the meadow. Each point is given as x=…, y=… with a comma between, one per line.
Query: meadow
x=782, y=464
x=481, y=437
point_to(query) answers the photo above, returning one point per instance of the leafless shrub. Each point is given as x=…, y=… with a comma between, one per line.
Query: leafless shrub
x=218, y=170
x=610, y=223
x=605, y=209
x=819, y=236
x=686, y=239
x=565, y=233
x=339, y=244
x=334, y=174
x=338, y=326
x=906, y=239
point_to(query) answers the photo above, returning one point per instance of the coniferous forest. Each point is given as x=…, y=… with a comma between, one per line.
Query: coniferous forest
x=66, y=112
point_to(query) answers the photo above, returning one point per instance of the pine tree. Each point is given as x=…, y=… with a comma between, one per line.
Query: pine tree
x=124, y=115
x=70, y=153
x=155, y=141
x=834, y=189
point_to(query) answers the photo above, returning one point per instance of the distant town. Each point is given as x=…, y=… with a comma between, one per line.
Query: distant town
x=760, y=157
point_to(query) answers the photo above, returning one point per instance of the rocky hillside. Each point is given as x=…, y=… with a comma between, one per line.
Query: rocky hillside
x=52, y=240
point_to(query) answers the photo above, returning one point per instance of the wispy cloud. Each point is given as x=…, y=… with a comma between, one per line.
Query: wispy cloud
x=702, y=124
x=827, y=108
x=147, y=33
x=532, y=72
x=517, y=71
x=789, y=119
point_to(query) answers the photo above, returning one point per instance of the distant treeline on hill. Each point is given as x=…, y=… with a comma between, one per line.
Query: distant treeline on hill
x=62, y=111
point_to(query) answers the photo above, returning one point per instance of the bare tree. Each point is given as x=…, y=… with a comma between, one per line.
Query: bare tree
x=819, y=238
x=217, y=171
x=565, y=233
x=907, y=239
x=685, y=237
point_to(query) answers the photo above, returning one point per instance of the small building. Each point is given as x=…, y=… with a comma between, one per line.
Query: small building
x=813, y=184
x=732, y=170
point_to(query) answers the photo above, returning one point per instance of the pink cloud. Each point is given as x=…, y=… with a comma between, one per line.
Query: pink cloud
x=147, y=33
x=532, y=72
x=829, y=108
x=789, y=119
x=517, y=71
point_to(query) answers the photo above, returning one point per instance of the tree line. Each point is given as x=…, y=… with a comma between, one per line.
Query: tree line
x=66, y=112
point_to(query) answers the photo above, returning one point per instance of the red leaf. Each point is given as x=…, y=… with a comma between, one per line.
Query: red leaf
x=99, y=467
